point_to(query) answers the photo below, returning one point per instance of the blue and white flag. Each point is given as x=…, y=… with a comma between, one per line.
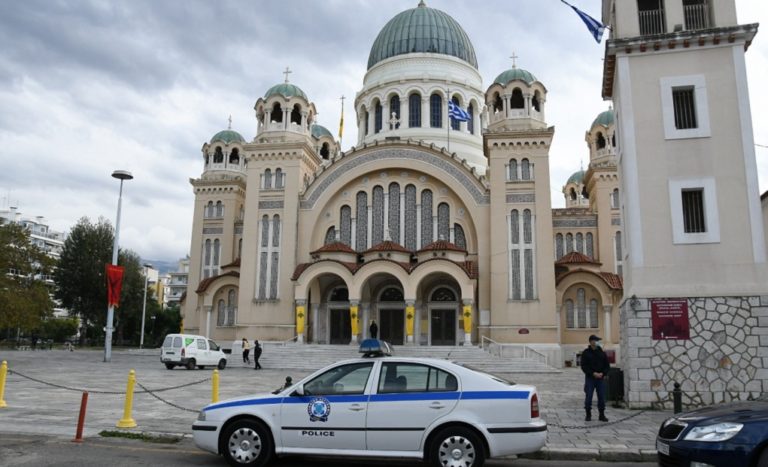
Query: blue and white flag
x=594, y=26
x=457, y=113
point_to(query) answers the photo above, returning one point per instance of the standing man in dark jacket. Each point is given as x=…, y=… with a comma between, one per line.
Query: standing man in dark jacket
x=594, y=364
x=374, y=329
x=256, y=355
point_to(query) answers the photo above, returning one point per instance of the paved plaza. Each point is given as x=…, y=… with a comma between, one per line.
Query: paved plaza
x=35, y=407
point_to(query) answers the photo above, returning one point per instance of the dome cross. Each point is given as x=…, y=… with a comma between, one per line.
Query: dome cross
x=230, y=122
x=514, y=58
x=286, y=73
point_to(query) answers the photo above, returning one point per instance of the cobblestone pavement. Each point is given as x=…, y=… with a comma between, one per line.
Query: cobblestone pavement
x=34, y=407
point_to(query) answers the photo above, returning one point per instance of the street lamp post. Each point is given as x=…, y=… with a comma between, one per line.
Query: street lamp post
x=147, y=267
x=121, y=175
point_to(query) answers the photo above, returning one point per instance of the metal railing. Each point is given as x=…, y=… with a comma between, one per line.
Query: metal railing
x=651, y=22
x=697, y=16
x=512, y=350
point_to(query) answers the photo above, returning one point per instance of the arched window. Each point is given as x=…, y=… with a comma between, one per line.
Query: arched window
x=471, y=122
x=276, y=230
x=618, y=246
x=339, y=294
x=410, y=217
x=460, y=240
x=394, y=212
x=346, y=225
x=515, y=226
x=593, y=320
x=231, y=307
x=536, y=101
x=574, y=196
x=590, y=245
x=324, y=152
x=613, y=140
x=568, y=243
x=219, y=209
x=361, y=233
x=207, y=159
x=263, y=258
x=367, y=122
x=216, y=252
x=513, y=169
x=570, y=321
x=268, y=179
x=517, y=101
x=443, y=222
x=527, y=226
x=296, y=114
x=218, y=156
x=240, y=248
x=498, y=105
x=234, y=157
x=615, y=198
x=378, y=215
x=559, y=245
x=209, y=211
x=378, y=117
x=436, y=111
x=221, y=313
x=208, y=252
x=330, y=235
x=414, y=110
x=426, y=218
x=525, y=168
x=443, y=294
x=581, y=306
x=394, y=108
x=265, y=231
x=277, y=113
x=600, y=141
x=392, y=294
x=455, y=124
x=279, y=178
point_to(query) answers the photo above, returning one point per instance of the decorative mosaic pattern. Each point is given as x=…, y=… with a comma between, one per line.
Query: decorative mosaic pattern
x=721, y=362
x=410, y=217
x=212, y=230
x=273, y=278
x=527, y=227
x=361, y=232
x=276, y=230
x=461, y=175
x=426, y=218
x=378, y=215
x=330, y=236
x=515, y=226
x=574, y=223
x=271, y=204
x=394, y=212
x=346, y=225
x=590, y=245
x=263, y=276
x=443, y=222
x=517, y=198
x=265, y=231
x=460, y=240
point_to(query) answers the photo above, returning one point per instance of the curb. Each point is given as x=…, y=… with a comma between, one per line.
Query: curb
x=562, y=453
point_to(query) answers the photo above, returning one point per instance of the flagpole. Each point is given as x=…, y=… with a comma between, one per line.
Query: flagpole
x=447, y=109
x=341, y=122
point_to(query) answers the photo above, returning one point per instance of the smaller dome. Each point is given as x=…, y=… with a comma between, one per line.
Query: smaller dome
x=228, y=136
x=285, y=90
x=318, y=131
x=605, y=119
x=576, y=178
x=515, y=74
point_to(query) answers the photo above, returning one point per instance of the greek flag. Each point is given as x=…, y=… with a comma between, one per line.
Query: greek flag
x=594, y=26
x=457, y=113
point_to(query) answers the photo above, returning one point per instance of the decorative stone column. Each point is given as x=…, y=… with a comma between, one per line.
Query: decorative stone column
x=607, y=313
x=467, y=315
x=315, y=313
x=410, y=316
x=301, y=315
x=208, y=321
x=366, y=319
x=354, y=319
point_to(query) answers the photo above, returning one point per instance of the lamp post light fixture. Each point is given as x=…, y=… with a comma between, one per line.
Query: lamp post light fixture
x=121, y=175
x=147, y=267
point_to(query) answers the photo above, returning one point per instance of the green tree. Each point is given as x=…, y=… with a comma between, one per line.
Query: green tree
x=24, y=296
x=59, y=329
x=128, y=314
x=80, y=275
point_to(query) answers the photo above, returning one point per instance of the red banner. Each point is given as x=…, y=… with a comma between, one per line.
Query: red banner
x=114, y=284
x=669, y=319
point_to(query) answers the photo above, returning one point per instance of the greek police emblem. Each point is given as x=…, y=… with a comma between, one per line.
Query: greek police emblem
x=319, y=409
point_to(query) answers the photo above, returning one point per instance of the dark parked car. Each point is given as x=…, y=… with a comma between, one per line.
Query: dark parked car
x=732, y=435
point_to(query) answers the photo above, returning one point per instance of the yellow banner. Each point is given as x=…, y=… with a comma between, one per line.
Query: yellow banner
x=410, y=314
x=355, y=320
x=467, y=319
x=300, y=315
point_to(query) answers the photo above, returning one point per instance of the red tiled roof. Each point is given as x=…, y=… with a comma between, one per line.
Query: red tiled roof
x=575, y=257
x=387, y=245
x=233, y=264
x=205, y=283
x=442, y=245
x=335, y=247
x=614, y=281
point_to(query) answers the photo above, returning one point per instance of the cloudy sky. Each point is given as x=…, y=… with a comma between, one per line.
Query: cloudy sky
x=87, y=87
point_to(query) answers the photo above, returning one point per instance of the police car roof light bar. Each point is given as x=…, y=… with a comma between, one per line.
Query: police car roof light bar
x=375, y=348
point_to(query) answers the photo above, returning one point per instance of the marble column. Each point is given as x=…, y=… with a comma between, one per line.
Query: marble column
x=410, y=316
x=208, y=321
x=354, y=319
x=315, y=317
x=301, y=319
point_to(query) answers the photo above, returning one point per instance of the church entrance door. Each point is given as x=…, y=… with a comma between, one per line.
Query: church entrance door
x=341, y=326
x=391, y=327
x=443, y=322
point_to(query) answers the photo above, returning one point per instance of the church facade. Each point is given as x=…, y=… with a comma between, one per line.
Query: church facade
x=441, y=231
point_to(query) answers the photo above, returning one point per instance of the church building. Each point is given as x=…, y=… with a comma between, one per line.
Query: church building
x=439, y=229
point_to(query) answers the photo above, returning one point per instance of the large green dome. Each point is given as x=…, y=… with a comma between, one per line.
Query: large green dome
x=515, y=74
x=605, y=119
x=228, y=136
x=422, y=29
x=576, y=178
x=286, y=90
x=318, y=131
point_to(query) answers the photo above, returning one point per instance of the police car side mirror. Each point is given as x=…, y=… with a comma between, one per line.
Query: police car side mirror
x=299, y=391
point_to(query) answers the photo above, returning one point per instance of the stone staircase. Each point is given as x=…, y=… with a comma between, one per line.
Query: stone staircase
x=309, y=357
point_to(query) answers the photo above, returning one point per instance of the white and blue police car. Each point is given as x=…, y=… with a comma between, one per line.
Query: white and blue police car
x=379, y=406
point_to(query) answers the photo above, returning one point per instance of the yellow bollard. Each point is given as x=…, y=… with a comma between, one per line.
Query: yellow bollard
x=127, y=421
x=3, y=374
x=215, y=387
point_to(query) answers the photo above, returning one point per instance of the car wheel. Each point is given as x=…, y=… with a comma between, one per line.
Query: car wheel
x=222, y=364
x=191, y=364
x=170, y=366
x=457, y=447
x=201, y=367
x=246, y=442
x=763, y=459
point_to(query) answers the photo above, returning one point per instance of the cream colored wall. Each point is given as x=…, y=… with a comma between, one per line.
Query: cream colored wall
x=627, y=23
x=600, y=199
x=688, y=266
x=764, y=200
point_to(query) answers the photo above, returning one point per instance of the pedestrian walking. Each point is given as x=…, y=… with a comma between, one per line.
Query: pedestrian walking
x=246, y=351
x=256, y=355
x=374, y=329
x=594, y=364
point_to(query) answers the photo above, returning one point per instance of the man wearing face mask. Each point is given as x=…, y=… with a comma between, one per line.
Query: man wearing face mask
x=594, y=364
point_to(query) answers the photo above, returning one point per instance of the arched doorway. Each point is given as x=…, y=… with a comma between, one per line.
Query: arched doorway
x=339, y=324
x=391, y=308
x=443, y=309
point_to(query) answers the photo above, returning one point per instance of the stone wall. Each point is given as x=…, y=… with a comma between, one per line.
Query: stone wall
x=725, y=359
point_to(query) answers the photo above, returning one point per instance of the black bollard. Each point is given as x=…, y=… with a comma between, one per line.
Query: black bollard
x=677, y=398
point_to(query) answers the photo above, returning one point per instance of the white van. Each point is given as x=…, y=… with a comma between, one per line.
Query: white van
x=191, y=351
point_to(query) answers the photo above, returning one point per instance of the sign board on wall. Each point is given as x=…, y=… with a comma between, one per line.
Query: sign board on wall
x=669, y=319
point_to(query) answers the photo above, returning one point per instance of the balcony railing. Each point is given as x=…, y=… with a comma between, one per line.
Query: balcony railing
x=697, y=16
x=651, y=22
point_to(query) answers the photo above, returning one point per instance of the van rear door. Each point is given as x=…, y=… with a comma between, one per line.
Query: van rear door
x=171, y=349
x=203, y=354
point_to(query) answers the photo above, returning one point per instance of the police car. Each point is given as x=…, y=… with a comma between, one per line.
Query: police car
x=379, y=406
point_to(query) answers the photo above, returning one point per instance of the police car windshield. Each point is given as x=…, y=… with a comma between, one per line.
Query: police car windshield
x=498, y=379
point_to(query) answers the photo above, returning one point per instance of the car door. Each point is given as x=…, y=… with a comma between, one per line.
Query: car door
x=203, y=355
x=214, y=352
x=409, y=397
x=331, y=413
